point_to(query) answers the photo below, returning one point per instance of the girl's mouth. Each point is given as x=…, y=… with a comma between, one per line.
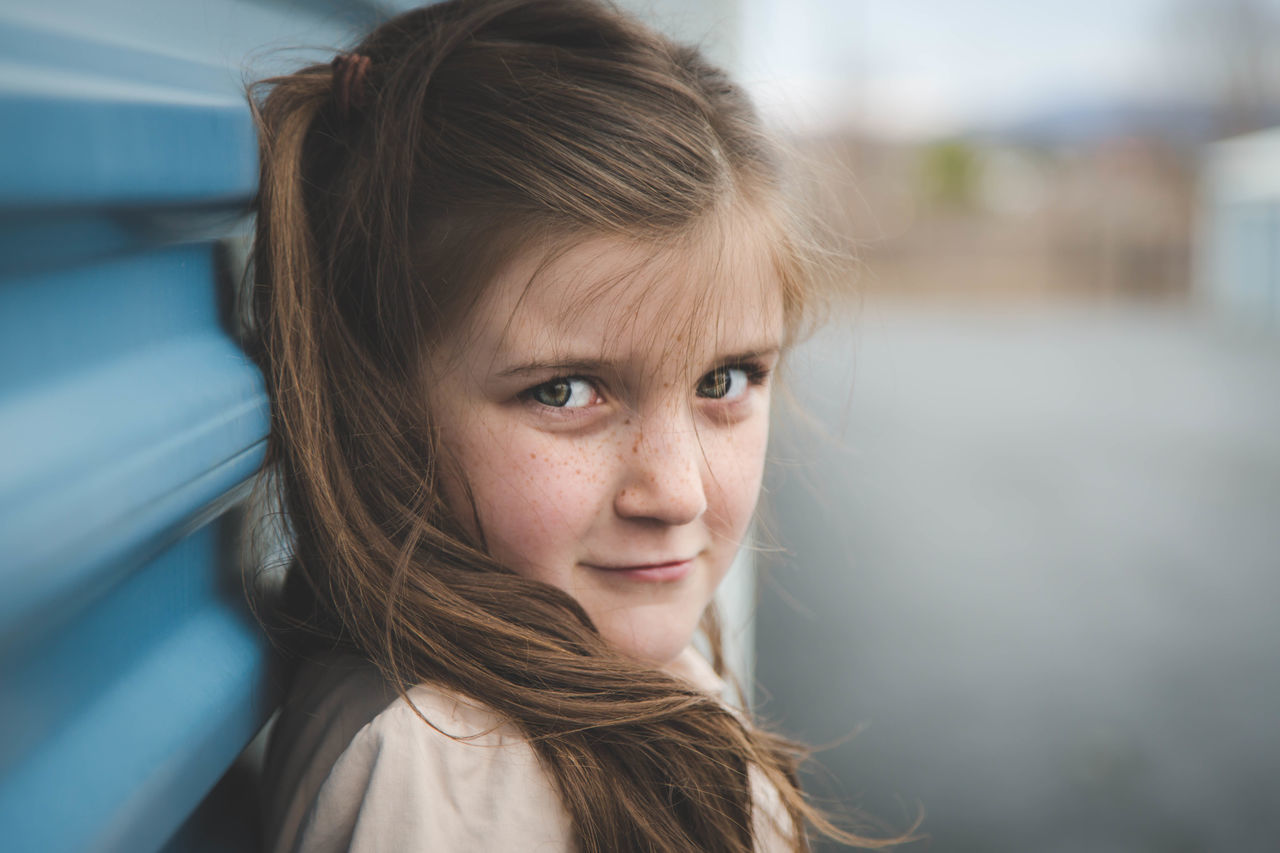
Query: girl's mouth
x=650, y=572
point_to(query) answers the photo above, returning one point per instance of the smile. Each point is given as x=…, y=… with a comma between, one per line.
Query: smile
x=650, y=572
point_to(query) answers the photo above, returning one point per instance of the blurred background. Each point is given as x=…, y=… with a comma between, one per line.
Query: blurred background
x=1021, y=553
x=1020, y=549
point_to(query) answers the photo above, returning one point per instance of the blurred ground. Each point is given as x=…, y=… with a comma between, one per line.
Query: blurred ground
x=1038, y=568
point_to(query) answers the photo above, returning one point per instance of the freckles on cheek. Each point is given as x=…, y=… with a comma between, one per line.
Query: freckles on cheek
x=535, y=495
x=549, y=468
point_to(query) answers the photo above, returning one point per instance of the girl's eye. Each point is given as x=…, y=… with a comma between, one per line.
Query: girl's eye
x=569, y=392
x=724, y=383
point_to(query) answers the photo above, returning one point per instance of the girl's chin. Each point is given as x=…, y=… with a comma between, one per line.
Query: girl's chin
x=662, y=652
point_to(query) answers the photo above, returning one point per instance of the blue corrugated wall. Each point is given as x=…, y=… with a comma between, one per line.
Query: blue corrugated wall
x=131, y=672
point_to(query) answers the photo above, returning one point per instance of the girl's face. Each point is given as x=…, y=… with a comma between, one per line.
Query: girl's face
x=613, y=446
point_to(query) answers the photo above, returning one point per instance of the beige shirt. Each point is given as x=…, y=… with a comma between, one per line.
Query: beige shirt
x=351, y=766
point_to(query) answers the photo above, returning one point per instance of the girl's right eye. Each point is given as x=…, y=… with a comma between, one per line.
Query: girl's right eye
x=566, y=392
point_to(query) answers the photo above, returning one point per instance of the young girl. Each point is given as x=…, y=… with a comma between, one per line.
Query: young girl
x=523, y=274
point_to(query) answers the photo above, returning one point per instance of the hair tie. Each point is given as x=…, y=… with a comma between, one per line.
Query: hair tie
x=350, y=71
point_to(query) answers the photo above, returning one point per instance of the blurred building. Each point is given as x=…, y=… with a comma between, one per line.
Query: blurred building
x=985, y=218
x=1238, y=253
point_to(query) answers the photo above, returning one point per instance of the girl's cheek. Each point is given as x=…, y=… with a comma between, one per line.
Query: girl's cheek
x=568, y=481
x=737, y=469
x=540, y=490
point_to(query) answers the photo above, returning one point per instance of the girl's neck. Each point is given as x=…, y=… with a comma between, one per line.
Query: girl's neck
x=692, y=667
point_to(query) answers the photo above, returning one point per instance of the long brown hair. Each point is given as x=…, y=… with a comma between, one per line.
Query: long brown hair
x=382, y=213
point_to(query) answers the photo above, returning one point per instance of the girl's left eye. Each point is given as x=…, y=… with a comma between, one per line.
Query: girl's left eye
x=566, y=392
x=724, y=383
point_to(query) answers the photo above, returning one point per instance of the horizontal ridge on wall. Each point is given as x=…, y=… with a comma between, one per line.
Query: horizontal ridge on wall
x=109, y=148
x=130, y=430
x=91, y=122
x=117, y=725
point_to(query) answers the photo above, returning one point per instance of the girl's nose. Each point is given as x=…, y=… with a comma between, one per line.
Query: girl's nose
x=663, y=478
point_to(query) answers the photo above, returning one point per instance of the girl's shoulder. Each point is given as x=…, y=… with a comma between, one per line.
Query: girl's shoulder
x=353, y=765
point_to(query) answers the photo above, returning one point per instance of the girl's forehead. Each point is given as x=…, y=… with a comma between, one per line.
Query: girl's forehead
x=608, y=298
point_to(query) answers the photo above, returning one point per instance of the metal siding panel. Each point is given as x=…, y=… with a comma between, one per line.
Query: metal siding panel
x=131, y=674
x=92, y=122
x=124, y=722
x=120, y=388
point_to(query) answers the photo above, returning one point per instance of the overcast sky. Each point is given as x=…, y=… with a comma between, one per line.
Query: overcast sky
x=911, y=67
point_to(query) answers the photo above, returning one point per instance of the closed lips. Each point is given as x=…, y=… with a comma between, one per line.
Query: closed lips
x=664, y=572
x=639, y=566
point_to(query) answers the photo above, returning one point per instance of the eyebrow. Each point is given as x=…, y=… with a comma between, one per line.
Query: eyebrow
x=595, y=365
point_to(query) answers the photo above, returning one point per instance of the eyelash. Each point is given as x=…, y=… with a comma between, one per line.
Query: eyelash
x=757, y=375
